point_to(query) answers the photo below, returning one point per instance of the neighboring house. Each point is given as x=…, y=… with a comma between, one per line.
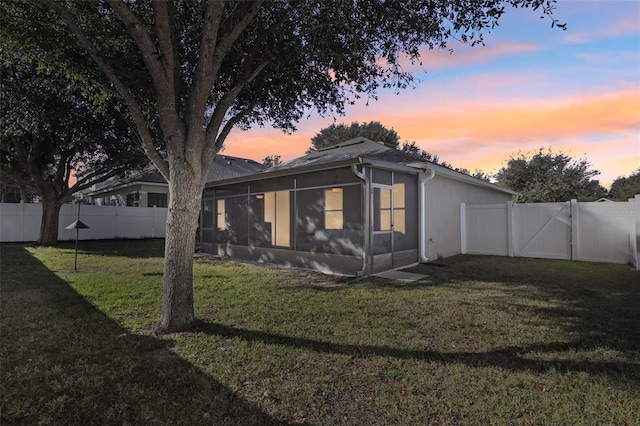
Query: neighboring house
x=150, y=189
x=14, y=193
x=356, y=208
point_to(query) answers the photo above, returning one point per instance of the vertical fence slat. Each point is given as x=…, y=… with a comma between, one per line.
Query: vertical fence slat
x=510, y=229
x=575, y=229
x=463, y=228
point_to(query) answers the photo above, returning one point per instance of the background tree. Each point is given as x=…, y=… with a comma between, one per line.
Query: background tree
x=338, y=133
x=413, y=149
x=271, y=160
x=190, y=72
x=48, y=131
x=624, y=188
x=549, y=177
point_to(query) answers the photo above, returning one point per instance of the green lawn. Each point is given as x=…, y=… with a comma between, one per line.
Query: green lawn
x=482, y=340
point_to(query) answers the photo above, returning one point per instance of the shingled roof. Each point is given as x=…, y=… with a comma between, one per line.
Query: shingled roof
x=353, y=148
x=359, y=150
x=227, y=167
x=223, y=167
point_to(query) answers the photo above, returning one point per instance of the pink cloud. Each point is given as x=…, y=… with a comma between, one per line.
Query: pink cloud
x=465, y=55
x=623, y=27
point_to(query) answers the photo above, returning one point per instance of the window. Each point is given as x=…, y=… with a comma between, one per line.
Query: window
x=333, y=209
x=221, y=219
x=382, y=217
x=277, y=214
x=399, y=223
x=156, y=199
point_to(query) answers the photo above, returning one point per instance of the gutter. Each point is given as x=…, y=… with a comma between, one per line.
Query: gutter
x=423, y=178
x=365, y=226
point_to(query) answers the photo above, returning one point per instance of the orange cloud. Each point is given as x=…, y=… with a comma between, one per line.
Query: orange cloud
x=507, y=121
x=483, y=134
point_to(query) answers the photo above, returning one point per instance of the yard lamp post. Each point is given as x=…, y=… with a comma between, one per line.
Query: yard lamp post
x=77, y=225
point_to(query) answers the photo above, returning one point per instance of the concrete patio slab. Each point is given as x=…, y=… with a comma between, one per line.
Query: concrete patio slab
x=400, y=276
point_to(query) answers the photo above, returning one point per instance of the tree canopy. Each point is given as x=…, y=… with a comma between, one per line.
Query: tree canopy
x=271, y=160
x=546, y=177
x=189, y=72
x=337, y=133
x=624, y=188
x=412, y=148
x=53, y=139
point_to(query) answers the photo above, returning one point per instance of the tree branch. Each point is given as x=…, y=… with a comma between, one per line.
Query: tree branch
x=211, y=135
x=67, y=173
x=164, y=15
x=134, y=107
x=136, y=30
x=160, y=64
x=204, y=76
x=63, y=163
x=247, y=14
x=213, y=50
x=232, y=122
x=87, y=181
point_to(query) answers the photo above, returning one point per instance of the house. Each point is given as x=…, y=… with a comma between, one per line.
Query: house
x=355, y=208
x=14, y=193
x=150, y=189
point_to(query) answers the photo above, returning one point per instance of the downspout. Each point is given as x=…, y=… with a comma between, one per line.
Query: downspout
x=423, y=179
x=365, y=217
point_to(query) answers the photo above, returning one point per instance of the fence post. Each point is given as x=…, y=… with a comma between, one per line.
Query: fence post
x=463, y=228
x=510, y=227
x=635, y=239
x=575, y=231
x=22, y=211
x=115, y=222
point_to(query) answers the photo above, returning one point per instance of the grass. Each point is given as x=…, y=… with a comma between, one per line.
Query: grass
x=482, y=340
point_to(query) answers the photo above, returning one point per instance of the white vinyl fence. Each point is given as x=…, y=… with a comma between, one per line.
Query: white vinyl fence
x=598, y=232
x=20, y=222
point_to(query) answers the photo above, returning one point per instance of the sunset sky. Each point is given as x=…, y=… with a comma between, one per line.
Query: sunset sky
x=531, y=86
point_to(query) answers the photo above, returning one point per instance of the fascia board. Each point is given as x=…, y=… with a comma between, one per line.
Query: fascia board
x=461, y=177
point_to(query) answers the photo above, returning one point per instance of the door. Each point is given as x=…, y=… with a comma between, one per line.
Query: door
x=382, y=219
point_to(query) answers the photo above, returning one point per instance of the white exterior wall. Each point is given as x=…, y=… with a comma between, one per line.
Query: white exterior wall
x=443, y=198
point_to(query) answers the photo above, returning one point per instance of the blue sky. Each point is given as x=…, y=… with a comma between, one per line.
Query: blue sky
x=531, y=86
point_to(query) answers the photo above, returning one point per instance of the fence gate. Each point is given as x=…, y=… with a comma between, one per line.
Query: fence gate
x=592, y=231
x=543, y=230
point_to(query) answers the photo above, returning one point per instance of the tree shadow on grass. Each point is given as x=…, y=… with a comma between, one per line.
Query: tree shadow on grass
x=596, y=303
x=121, y=248
x=510, y=358
x=65, y=362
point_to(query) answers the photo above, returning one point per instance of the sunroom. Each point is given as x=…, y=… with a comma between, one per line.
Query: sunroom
x=343, y=214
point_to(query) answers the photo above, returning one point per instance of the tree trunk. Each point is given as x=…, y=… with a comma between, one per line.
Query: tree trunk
x=50, y=218
x=23, y=193
x=185, y=195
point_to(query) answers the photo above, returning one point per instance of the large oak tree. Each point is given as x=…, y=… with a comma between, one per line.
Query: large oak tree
x=54, y=139
x=189, y=71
